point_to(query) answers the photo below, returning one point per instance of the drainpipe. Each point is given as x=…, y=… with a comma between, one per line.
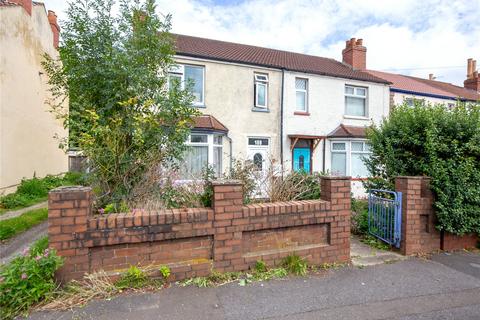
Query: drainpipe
x=281, y=121
x=324, y=151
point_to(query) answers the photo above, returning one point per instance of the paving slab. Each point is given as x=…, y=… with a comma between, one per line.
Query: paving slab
x=363, y=255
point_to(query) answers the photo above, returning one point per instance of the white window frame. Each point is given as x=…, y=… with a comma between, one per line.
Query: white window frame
x=355, y=95
x=348, y=151
x=211, y=147
x=261, y=79
x=305, y=92
x=179, y=70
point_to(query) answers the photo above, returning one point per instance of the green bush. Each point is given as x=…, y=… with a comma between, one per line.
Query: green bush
x=359, y=221
x=27, y=279
x=436, y=142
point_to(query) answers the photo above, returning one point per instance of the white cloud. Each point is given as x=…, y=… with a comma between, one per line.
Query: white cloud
x=398, y=34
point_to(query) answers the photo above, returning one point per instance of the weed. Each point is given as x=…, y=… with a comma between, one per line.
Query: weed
x=165, y=272
x=374, y=242
x=260, y=266
x=296, y=265
x=134, y=277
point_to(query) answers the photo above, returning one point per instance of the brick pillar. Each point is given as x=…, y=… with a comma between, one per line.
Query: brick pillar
x=227, y=243
x=418, y=220
x=68, y=211
x=337, y=190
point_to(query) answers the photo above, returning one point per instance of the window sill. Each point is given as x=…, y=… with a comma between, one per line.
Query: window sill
x=200, y=106
x=301, y=113
x=355, y=117
x=257, y=109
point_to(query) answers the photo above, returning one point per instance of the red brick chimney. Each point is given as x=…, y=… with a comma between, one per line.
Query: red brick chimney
x=473, y=80
x=26, y=4
x=52, y=19
x=355, y=54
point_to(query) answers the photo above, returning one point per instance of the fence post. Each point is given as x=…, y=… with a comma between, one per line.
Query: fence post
x=227, y=244
x=68, y=212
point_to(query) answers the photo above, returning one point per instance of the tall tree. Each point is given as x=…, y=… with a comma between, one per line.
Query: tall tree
x=114, y=63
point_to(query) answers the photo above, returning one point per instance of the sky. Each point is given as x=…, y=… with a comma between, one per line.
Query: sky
x=412, y=37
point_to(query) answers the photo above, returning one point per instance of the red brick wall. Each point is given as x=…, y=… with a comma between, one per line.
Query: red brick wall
x=419, y=234
x=228, y=237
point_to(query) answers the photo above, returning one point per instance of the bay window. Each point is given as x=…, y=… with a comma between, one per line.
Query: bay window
x=347, y=158
x=204, y=149
x=192, y=76
x=355, y=101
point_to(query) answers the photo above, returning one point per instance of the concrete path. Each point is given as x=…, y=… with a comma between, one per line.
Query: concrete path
x=410, y=289
x=16, y=213
x=363, y=255
x=16, y=245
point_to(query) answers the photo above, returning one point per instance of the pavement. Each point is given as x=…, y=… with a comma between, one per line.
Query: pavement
x=363, y=255
x=444, y=287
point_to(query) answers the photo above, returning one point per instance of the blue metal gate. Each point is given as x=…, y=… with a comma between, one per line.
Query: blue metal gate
x=385, y=215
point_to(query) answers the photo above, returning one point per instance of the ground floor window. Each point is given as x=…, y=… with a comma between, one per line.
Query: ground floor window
x=347, y=158
x=204, y=149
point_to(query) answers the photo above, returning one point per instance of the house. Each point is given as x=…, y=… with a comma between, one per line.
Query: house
x=27, y=128
x=270, y=106
x=409, y=89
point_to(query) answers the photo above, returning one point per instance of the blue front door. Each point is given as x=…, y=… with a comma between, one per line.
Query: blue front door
x=301, y=159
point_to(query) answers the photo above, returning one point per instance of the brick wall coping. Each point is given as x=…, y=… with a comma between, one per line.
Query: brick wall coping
x=336, y=177
x=69, y=189
x=226, y=182
x=273, y=208
x=413, y=177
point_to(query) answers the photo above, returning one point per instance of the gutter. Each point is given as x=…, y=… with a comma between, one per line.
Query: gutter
x=427, y=94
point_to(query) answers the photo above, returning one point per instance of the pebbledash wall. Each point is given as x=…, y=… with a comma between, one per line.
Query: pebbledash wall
x=227, y=237
x=419, y=234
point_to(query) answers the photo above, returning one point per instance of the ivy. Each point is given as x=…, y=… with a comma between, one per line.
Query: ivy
x=433, y=141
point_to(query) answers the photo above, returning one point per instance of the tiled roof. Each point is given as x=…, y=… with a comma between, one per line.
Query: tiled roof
x=343, y=131
x=5, y=3
x=425, y=86
x=265, y=57
x=208, y=122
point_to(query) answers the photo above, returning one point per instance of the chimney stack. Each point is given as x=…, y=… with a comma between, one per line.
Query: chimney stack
x=52, y=19
x=26, y=4
x=473, y=80
x=355, y=54
x=431, y=77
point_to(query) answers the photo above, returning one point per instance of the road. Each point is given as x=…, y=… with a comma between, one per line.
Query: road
x=445, y=287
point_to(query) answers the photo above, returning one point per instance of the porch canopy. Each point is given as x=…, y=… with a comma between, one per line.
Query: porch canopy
x=209, y=123
x=295, y=137
x=343, y=131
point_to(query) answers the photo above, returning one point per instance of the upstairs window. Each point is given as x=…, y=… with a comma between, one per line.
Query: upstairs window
x=301, y=94
x=261, y=91
x=355, y=101
x=192, y=76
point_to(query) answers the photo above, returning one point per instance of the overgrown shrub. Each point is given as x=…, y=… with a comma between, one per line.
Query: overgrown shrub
x=243, y=171
x=359, y=219
x=27, y=279
x=436, y=142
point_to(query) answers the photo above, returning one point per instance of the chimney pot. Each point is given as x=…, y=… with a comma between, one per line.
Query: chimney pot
x=431, y=77
x=359, y=42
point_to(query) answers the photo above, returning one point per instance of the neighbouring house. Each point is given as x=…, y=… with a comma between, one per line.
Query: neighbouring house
x=301, y=111
x=409, y=89
x=27, y=128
